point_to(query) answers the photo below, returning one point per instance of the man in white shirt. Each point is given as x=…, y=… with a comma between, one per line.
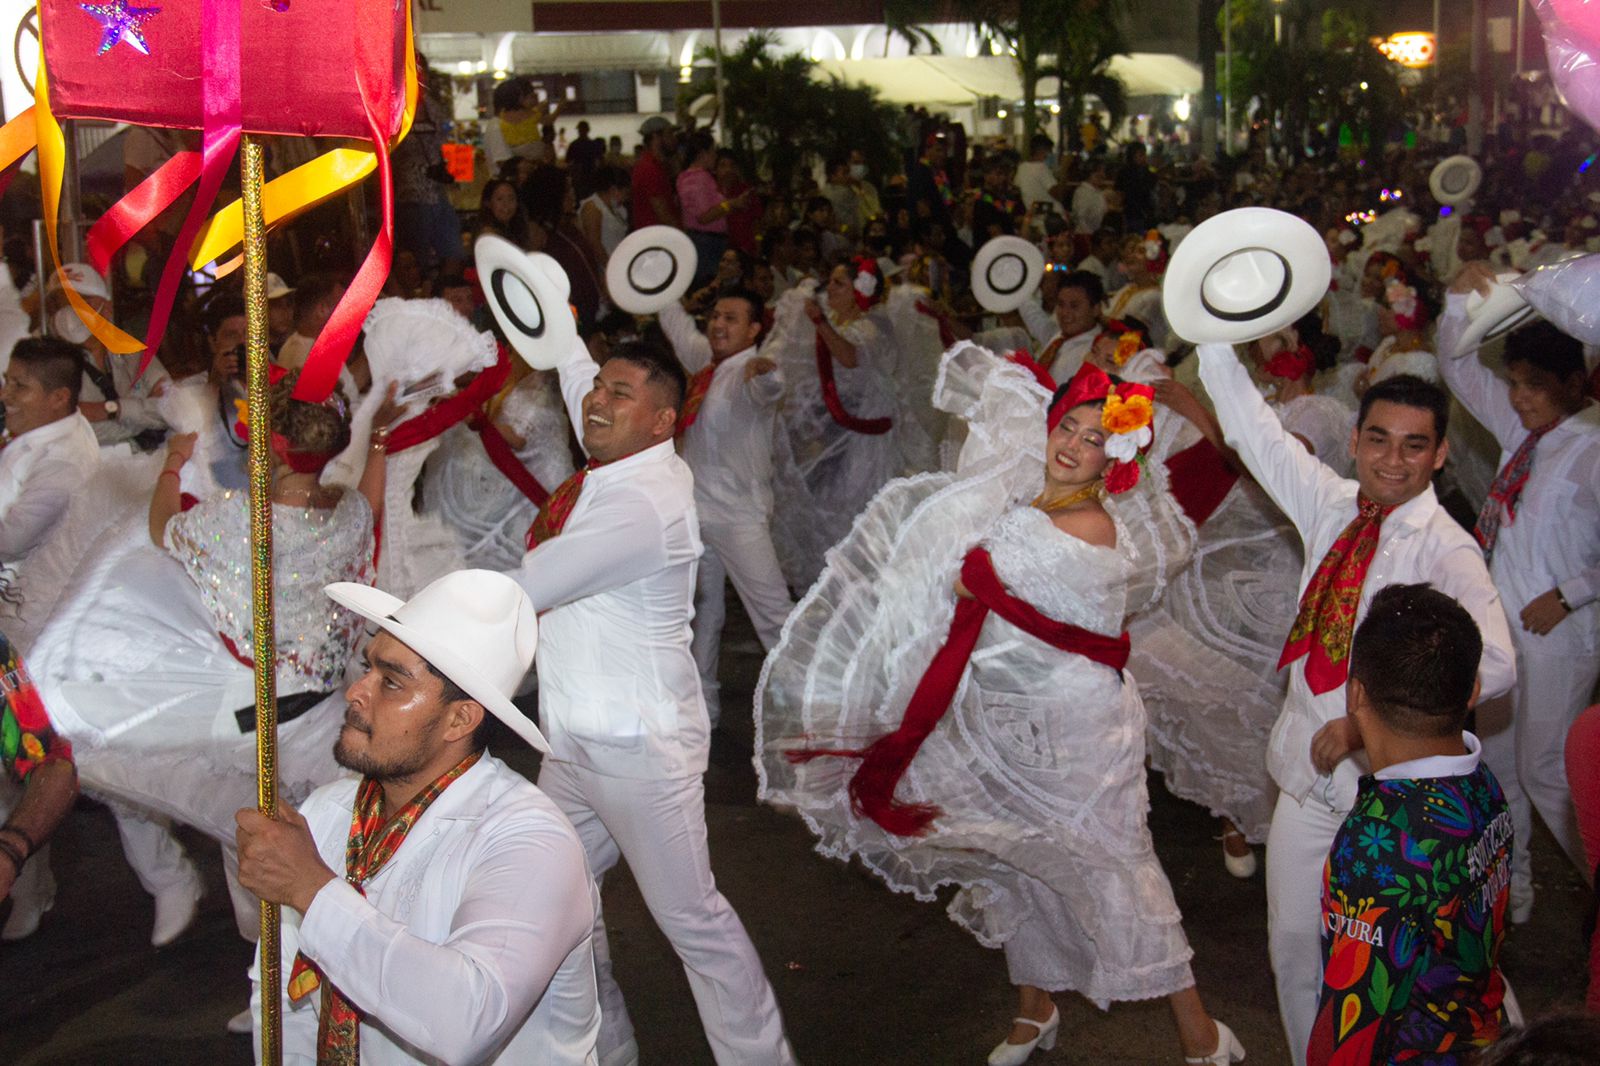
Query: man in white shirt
x=460, y=930
x=1089, y=200
x=725, y=435
x=1035, y=179
x=611, y=569
x=1383, y=528
x=1540, y=528
x=314, y=301
x=1065, y=337
x=52, y=450
x=119, y=402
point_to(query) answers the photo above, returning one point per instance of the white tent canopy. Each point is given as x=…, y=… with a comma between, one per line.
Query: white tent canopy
x=955, y=81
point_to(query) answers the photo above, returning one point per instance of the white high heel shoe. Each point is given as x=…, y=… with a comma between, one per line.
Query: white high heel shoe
x=1006, y=1054
x=1229, y=1050
x=1240, y=866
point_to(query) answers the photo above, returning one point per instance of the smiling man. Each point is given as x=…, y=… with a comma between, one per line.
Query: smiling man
x=1540, y=528
x=1066, y=334
x=51, y=451
x=611, y=569
x=1384, y=527
x=441, y=907
x=725, y=435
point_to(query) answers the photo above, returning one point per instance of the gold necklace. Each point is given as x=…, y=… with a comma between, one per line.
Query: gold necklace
x=1089, y=491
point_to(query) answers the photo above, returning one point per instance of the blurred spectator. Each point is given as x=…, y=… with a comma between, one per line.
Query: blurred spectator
x=516, y=128
x=584, y=156
x=424, y=221
x=601, y=217
x=1137, y=184
x=500, y=213
x=1035, y=180
x=556, y=218
x=314, y=300
x=1089, y=199
x=654, y=201
x=747, y=205
x=705, y=211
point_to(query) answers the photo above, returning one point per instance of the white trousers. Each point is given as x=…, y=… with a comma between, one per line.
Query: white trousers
x=1297, y=849
x=1524, y=737
x=742, y=552
x=659, y=827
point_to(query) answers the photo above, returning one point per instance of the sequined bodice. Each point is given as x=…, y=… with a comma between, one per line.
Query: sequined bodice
x=312, y=547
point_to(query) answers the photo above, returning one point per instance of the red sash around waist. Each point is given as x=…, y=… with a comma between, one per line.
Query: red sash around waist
x=830, y=398
x=884, y=761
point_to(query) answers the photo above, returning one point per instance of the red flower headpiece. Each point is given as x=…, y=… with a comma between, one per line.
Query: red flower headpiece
x=1127, y=415
x=1292, y=365
x=867, y=281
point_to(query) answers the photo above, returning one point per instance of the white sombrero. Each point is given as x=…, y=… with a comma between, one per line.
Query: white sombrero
x=1244, y=274
x=1005, y=272
x=1493, y=316
x=1454, y=180
x=650, y=269
x=527, y=291
x=476, y=627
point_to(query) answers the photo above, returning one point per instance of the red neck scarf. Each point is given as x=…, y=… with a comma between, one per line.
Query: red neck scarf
x=557, y=508
x=372, y=842
x=1501, y=504
x=830, y=398
x=699, y=385
x=1327, y=619
x=884, y=761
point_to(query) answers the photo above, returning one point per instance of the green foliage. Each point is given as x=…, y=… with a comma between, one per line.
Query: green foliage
x=781, y=119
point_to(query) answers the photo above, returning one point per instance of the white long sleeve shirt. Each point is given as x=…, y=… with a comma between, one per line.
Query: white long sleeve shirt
x=729, y=446
x=1554, y=541
x=39, y=473
x=618, y=690
x=1417, y=542
x=1069, y=356
x=471, y=945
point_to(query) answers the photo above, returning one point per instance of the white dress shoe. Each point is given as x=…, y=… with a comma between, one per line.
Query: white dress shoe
x=32, y=895
x=1008, y=1054
x=1229, y=1050
x=242, y=1024
x=176, y=907
x=1240, y=866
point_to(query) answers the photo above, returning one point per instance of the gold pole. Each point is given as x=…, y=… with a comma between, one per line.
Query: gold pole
x=260, y=418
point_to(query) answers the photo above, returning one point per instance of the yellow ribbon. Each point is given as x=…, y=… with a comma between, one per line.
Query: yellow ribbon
x=307, y=185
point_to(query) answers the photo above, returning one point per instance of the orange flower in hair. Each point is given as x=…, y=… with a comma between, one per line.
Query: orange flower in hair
x=1126, y=414
x=1128, y=346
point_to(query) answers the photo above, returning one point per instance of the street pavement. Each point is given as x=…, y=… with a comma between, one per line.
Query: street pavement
x=864, y=976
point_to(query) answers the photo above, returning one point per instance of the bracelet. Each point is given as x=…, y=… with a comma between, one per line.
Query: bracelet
x=169, y=473
x=16, y=857
x=1563, y=600
x=33, y=845
x=379, y=441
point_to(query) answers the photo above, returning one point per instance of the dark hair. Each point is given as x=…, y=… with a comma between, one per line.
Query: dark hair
x=836, y=162
x=817, y=203
x=773, y=236
x=1408, y=390
x=309, y=427
x=451, y=692
x=57, y=363
x=697, y=143
x=311, y=290
x=1416, y=653
x=661, y=368
x=545, y=194
x=1544, y=347
x=509, y=93
x=1089, y=282
x=1038, y=141
x=1555, y=1040
x=610, y=177
x=805, y=235
x=516, y=229
x=222, y=305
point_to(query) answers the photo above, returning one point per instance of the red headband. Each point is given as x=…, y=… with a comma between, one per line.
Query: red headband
x=1089, y=385
x=1293, y=365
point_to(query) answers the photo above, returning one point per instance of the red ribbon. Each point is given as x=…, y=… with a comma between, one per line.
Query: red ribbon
x=872, y=427
x=947, y=336
x=1024, y=358
x=884, y=761
x=139, y=208
x=505, y=459
x=1200, y=478
x=332, y=347
x=452, y=409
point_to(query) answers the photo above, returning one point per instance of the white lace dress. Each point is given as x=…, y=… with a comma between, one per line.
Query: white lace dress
x=133, y=667
x=1206, y=657
x=461, y=486
x=1038, y=767
x=823, y=473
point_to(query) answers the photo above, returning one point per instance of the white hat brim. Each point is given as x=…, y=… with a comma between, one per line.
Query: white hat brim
x=1005, y=272
x=674, y=256
x=378, y=606
x=1502, y=311
x=527, y=292
x=1462, y=192
x=1307, y=270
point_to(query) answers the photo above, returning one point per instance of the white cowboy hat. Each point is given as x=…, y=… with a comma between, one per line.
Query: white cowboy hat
x=476, y=627
x=1005, y=272
x=650, y=269
x=1244, y=274
x=85, y=279
x=527, y=291
x=1454, y=180
x=1493, y=316
x=277, y=288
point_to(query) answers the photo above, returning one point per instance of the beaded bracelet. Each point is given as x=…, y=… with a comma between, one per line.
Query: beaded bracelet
x=16, y=857
x=33, y=845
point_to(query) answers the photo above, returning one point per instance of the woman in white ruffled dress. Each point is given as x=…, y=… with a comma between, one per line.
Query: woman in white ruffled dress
x=825, y=471
x=145, y=664
x=1037, y=768
x=1207, y=655
x=489, y=515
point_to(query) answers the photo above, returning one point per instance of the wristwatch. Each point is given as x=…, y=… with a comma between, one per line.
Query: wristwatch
x=113, y=408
